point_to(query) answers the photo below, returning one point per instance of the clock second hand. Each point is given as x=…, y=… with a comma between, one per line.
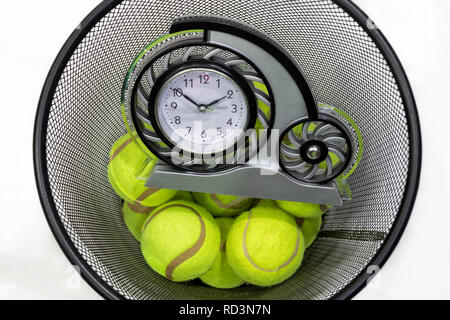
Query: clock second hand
x=217, y=108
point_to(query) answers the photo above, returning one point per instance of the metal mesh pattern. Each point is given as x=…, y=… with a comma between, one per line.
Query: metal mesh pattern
x=345, y=69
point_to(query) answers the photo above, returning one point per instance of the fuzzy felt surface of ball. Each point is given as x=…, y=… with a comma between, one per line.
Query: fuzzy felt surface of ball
x=223, y=205
x=127, y=161
x=265, y=246
x=221, y=275
x=180, y=240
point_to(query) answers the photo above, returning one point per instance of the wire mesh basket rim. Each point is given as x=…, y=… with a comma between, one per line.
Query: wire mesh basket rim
x=59, y=231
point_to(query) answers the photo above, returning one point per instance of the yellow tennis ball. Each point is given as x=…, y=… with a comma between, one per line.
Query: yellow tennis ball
x=223, y=205
x=301, y=209
x=310, y=228
x=135, y=216
x=184, y=195
x=265, y=246
x=126, y=161
x=265, y=203
x=221, y=275
x=180, y=240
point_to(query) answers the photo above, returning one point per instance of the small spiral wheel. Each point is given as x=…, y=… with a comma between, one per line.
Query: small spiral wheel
x=315, y=151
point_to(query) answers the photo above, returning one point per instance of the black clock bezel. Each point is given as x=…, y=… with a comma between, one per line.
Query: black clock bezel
x=201, y=64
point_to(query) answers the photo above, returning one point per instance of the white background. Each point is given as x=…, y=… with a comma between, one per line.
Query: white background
x=33, y=267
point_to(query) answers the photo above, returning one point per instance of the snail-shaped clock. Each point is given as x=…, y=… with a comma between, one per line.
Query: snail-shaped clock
x=226, y=110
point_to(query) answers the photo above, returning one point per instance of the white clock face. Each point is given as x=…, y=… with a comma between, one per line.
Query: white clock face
x=202, y=110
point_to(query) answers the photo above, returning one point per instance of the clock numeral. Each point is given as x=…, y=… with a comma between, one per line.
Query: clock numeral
x=187, y=82
x=218, y=83
x=174, y=105
x=177, y=92
x=189, y=130
x=230, y=122
x=219, y=131
x=235, y=108
x=204, y=135
x=204, y=79
x=178, y=120
x=230, y=94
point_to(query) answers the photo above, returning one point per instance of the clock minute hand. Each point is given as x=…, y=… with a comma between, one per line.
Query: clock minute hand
x=215, y=101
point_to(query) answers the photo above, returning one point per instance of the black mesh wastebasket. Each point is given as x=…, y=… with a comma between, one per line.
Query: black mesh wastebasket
x=347, y=62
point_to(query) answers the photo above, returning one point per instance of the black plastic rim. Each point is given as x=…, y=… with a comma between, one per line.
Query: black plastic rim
x=106, y=291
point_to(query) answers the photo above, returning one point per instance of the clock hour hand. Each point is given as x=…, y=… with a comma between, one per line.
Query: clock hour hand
x=215, y=101
x=190, y=100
